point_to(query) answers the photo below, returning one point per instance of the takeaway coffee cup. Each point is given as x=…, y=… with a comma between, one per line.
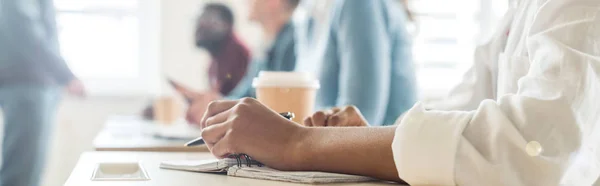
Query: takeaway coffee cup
x=287, y=92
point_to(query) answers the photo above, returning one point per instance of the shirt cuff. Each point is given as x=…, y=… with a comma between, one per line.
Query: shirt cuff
x=425, y=145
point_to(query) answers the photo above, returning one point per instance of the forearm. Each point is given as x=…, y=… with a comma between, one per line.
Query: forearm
x=358, y=151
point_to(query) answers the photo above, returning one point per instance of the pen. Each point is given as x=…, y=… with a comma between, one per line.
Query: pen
x=200, y=141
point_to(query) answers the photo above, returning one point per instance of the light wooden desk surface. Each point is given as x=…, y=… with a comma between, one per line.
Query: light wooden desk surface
x=160, y=177
x=129, y=133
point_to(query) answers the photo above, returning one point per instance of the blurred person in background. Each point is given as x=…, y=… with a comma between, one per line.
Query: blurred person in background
x=275, y=18
x=364, y=59
x=214, y=33
x=230, y=55
x=32, y=78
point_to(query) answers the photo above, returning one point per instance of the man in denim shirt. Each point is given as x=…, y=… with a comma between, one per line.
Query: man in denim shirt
x=32, y=74
x=275, y=18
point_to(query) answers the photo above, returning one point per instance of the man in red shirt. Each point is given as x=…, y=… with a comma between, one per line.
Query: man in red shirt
x=230, y=56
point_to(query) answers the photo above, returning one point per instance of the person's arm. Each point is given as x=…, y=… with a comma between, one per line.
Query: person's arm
x=249, y=127
x=545, y=134
x=31, y=30
x=365, y=58
x=351, y=150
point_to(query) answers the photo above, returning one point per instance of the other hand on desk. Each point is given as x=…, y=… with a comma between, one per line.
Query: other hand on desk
x=348, y=116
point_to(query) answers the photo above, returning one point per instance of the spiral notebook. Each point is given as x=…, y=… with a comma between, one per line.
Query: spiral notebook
x=247, y=168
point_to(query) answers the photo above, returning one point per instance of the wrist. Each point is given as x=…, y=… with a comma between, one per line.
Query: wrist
x=301, y=148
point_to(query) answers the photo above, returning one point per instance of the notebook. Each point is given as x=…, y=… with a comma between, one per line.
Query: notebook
x=252, y=169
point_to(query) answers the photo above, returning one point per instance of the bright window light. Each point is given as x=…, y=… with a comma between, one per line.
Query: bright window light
x=99, y=38
x=113, y=46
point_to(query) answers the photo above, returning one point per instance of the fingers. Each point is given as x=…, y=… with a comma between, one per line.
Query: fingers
x=308, y=121
x=334, y=110
x=217, y=119
x=319, y=119
x=338, y=119
x=342, y=117
x=349, y=116
x=215, y=108
x=214, y=133
x=346, y=116
x=351, y=109
x=222, y=149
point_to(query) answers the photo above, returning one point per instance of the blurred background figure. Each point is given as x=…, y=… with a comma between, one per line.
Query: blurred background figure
x=364, y=58
x=274, y=17
x=32, y=78
x=214, y=32
x=275, y=20
x=230, y=55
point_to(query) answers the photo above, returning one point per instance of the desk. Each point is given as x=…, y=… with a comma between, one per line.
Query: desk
x=131, y=133
x=160, y=177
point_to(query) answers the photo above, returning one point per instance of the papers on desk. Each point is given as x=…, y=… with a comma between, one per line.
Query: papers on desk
x=233, y=168
x=178, y=131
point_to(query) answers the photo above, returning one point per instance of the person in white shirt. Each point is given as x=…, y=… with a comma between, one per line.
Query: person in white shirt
x=533, y=117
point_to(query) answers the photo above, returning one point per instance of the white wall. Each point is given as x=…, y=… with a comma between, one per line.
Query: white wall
x=180, y=59
x=80, y=120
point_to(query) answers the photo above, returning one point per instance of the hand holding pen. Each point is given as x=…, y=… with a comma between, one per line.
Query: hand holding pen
x=200, y=141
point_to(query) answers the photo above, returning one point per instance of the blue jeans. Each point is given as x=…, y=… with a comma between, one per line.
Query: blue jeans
x=29, y=112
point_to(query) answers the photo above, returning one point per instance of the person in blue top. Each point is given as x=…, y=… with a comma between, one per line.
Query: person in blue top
x=366, y=59
x=33, y=76
x=275, y=17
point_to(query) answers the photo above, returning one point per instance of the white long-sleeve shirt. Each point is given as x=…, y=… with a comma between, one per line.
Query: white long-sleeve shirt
x=537, y=121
